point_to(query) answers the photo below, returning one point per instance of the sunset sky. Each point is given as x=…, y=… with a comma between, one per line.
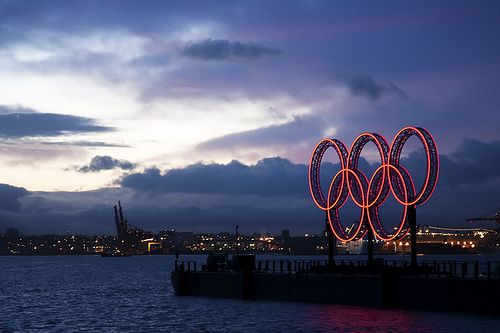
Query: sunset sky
x=202, y=114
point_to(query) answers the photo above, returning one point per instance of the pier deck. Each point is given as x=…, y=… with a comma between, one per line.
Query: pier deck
x=462, y=286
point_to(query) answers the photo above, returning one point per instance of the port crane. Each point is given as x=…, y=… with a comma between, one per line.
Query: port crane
x=129, y=236
x=493, y=215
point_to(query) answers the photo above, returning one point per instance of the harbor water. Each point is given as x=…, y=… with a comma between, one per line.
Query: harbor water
x=95, y=294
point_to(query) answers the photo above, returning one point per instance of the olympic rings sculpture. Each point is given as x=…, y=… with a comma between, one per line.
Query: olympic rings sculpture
x=368, y=195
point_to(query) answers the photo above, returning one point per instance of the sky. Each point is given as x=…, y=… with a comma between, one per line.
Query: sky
x=200, y=115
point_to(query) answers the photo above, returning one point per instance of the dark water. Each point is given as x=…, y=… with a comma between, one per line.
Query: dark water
x=94, y=294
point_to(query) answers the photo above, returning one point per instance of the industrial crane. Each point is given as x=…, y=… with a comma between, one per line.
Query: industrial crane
x=493, y=215
x=129, y=237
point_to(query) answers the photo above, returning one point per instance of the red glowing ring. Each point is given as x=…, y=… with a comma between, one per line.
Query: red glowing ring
x=339, y=200
x=353, y=160
x=314, y=169
x=405, y=188
x=383, y=234
x=363, y=185
x=335, y=225
x=430, y=147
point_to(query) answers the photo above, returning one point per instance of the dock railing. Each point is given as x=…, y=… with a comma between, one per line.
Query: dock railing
x=427, y=268
x=185, y=266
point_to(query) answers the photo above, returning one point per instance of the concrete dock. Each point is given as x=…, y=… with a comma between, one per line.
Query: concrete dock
x=352, y=284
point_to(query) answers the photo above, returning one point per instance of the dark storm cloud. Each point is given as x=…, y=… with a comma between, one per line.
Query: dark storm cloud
x=51, y=220
x=9, y=196
x=221, y=49
x=473, y=163
x=270, y=176
x=468, y=186
x=62, y=212
x=296, y=131
x=17, y=125
x=250, y=218
x=365, y=85
x=274, y=176
x=481, y=157
x=99, y=163
x=48, y=215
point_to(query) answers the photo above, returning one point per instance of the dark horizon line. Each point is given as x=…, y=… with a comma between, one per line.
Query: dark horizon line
x=21, y=234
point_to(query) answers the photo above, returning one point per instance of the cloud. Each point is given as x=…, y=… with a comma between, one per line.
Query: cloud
x=221, y=49
x=274, y=176
x=481, y=159
x=91, y=212
x=9, y=197
x=270, y=176
x=473, y=163
x=32, y=124
x=99, y=163
x=295, y=131
x=365, y=85
x=6, y=109
x=83, y=143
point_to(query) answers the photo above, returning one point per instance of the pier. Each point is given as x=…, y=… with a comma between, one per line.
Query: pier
x=461, y=286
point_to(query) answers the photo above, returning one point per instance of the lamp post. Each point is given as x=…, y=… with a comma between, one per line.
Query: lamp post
x=331, y=243
x=412, y=221
x=370, y=243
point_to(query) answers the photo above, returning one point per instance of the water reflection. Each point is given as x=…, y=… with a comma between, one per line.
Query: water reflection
x=337, y=318
x=94, y=294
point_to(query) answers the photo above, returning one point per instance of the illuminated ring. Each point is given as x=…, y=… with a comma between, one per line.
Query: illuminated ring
x=333, y=214
x=430, y=148
x=314, y=170
x=353, y=159
x=373, y=217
